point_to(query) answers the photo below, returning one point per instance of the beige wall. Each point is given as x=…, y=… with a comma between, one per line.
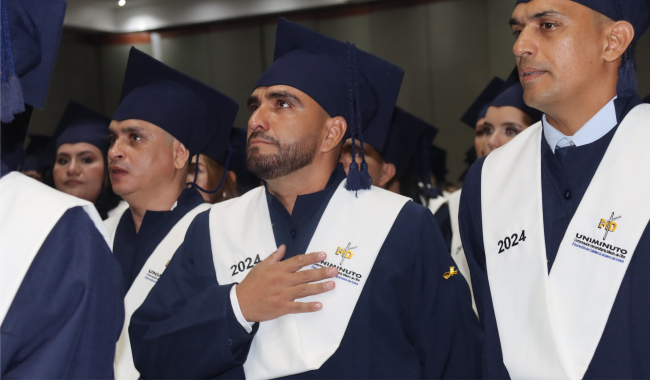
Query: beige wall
x=449, y=50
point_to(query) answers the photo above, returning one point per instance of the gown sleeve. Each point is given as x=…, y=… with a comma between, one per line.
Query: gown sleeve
x=443, y=327
x=68, y=312
x=186, y=328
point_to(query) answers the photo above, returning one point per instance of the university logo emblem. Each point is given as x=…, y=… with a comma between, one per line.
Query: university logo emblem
x=345, y=253
x=609, y=225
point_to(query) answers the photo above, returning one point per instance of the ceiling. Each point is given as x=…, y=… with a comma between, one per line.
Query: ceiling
x=142, y=15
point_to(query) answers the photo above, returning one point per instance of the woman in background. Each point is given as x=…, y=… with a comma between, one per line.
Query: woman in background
x=80, y=168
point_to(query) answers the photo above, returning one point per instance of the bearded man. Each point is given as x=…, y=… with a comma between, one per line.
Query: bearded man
x=379, y=294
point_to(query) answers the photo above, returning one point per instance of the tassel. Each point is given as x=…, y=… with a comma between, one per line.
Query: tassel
x=6, y=105
x=365, y=180
x=16, y=94
x=223, y=176
x=354, y=177
x=626, y=86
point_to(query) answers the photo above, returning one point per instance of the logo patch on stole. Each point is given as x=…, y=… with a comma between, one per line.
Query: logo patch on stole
x=601, y=248
x=345, y=274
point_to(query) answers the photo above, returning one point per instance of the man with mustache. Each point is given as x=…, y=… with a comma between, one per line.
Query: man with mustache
x=164, y=118
x=391, y=304
x=61, y=308
x=555, y=223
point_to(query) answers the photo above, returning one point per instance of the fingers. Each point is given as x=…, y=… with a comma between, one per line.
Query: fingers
x=276, y=256
x=305, y=307
x=312, y=275
x=296, y=263
x=306, y=290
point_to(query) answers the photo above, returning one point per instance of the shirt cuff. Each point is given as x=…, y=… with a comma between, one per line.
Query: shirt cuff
x=248, y=326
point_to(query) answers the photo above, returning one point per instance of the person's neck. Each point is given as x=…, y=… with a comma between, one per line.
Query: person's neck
x=310, y=179
x=570, y=116
x=162, y=199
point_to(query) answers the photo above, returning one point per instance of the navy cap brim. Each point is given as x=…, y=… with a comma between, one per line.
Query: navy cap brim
x=472, y=116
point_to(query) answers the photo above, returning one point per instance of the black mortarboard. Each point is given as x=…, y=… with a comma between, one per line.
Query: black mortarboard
x=404, y=138
x=31, y=30
x=36, y=152
x=192, y=112
x=82, y=124
x=637, y=13
x=477, y=110
x=514, y=97
x=338, y=76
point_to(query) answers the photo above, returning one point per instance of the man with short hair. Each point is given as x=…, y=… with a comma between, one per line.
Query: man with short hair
x=164, y=119
x=391, y=304
x=555, y=223
x=61, y=308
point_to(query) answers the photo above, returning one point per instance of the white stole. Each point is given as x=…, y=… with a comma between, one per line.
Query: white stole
x=28, y=212
x=457, y=251
x=147, y=278
x=550, y=324
x=351, y=231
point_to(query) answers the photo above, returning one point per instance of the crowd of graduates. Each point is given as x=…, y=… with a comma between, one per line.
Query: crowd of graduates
x=324, y=239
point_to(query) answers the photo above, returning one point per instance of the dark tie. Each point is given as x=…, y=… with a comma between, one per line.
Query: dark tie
x=561, y=153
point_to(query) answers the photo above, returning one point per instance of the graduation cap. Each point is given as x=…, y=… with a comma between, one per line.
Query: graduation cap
x=637, y=13
x=31, y=30
x=407, y=141
x=80, y=124
x=478, y=109
x=343, y=80
x=193, y=112
x=36, y=152
x=514, y=96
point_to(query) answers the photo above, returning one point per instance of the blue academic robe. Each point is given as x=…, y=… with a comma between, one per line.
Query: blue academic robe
x=624, y=348
x=68, y=312
x=409, y=321
x=132, y=249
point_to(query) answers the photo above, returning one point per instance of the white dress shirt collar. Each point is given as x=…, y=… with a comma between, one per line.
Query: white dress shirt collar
x=597, y=127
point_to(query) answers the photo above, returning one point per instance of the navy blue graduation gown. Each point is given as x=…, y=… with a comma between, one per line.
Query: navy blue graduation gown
x=624, y=348
x=409, y=322
x=132, y=249
x=68, y=312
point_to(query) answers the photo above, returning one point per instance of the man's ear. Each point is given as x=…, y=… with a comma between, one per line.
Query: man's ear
x=335, y=131
x=387, y=173
x=181, y=155
x=620, y=37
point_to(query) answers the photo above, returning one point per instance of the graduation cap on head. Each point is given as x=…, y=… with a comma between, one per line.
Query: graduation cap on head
x=407, y=141
x=80, y=124
x=637, y=13
x=30, y=35
x=343, y=80
x=479, y=108
x=193, y=112
x=513, y=96
x=36, y=152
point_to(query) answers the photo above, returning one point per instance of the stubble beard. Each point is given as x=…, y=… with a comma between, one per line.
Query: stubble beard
x=289, y=158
